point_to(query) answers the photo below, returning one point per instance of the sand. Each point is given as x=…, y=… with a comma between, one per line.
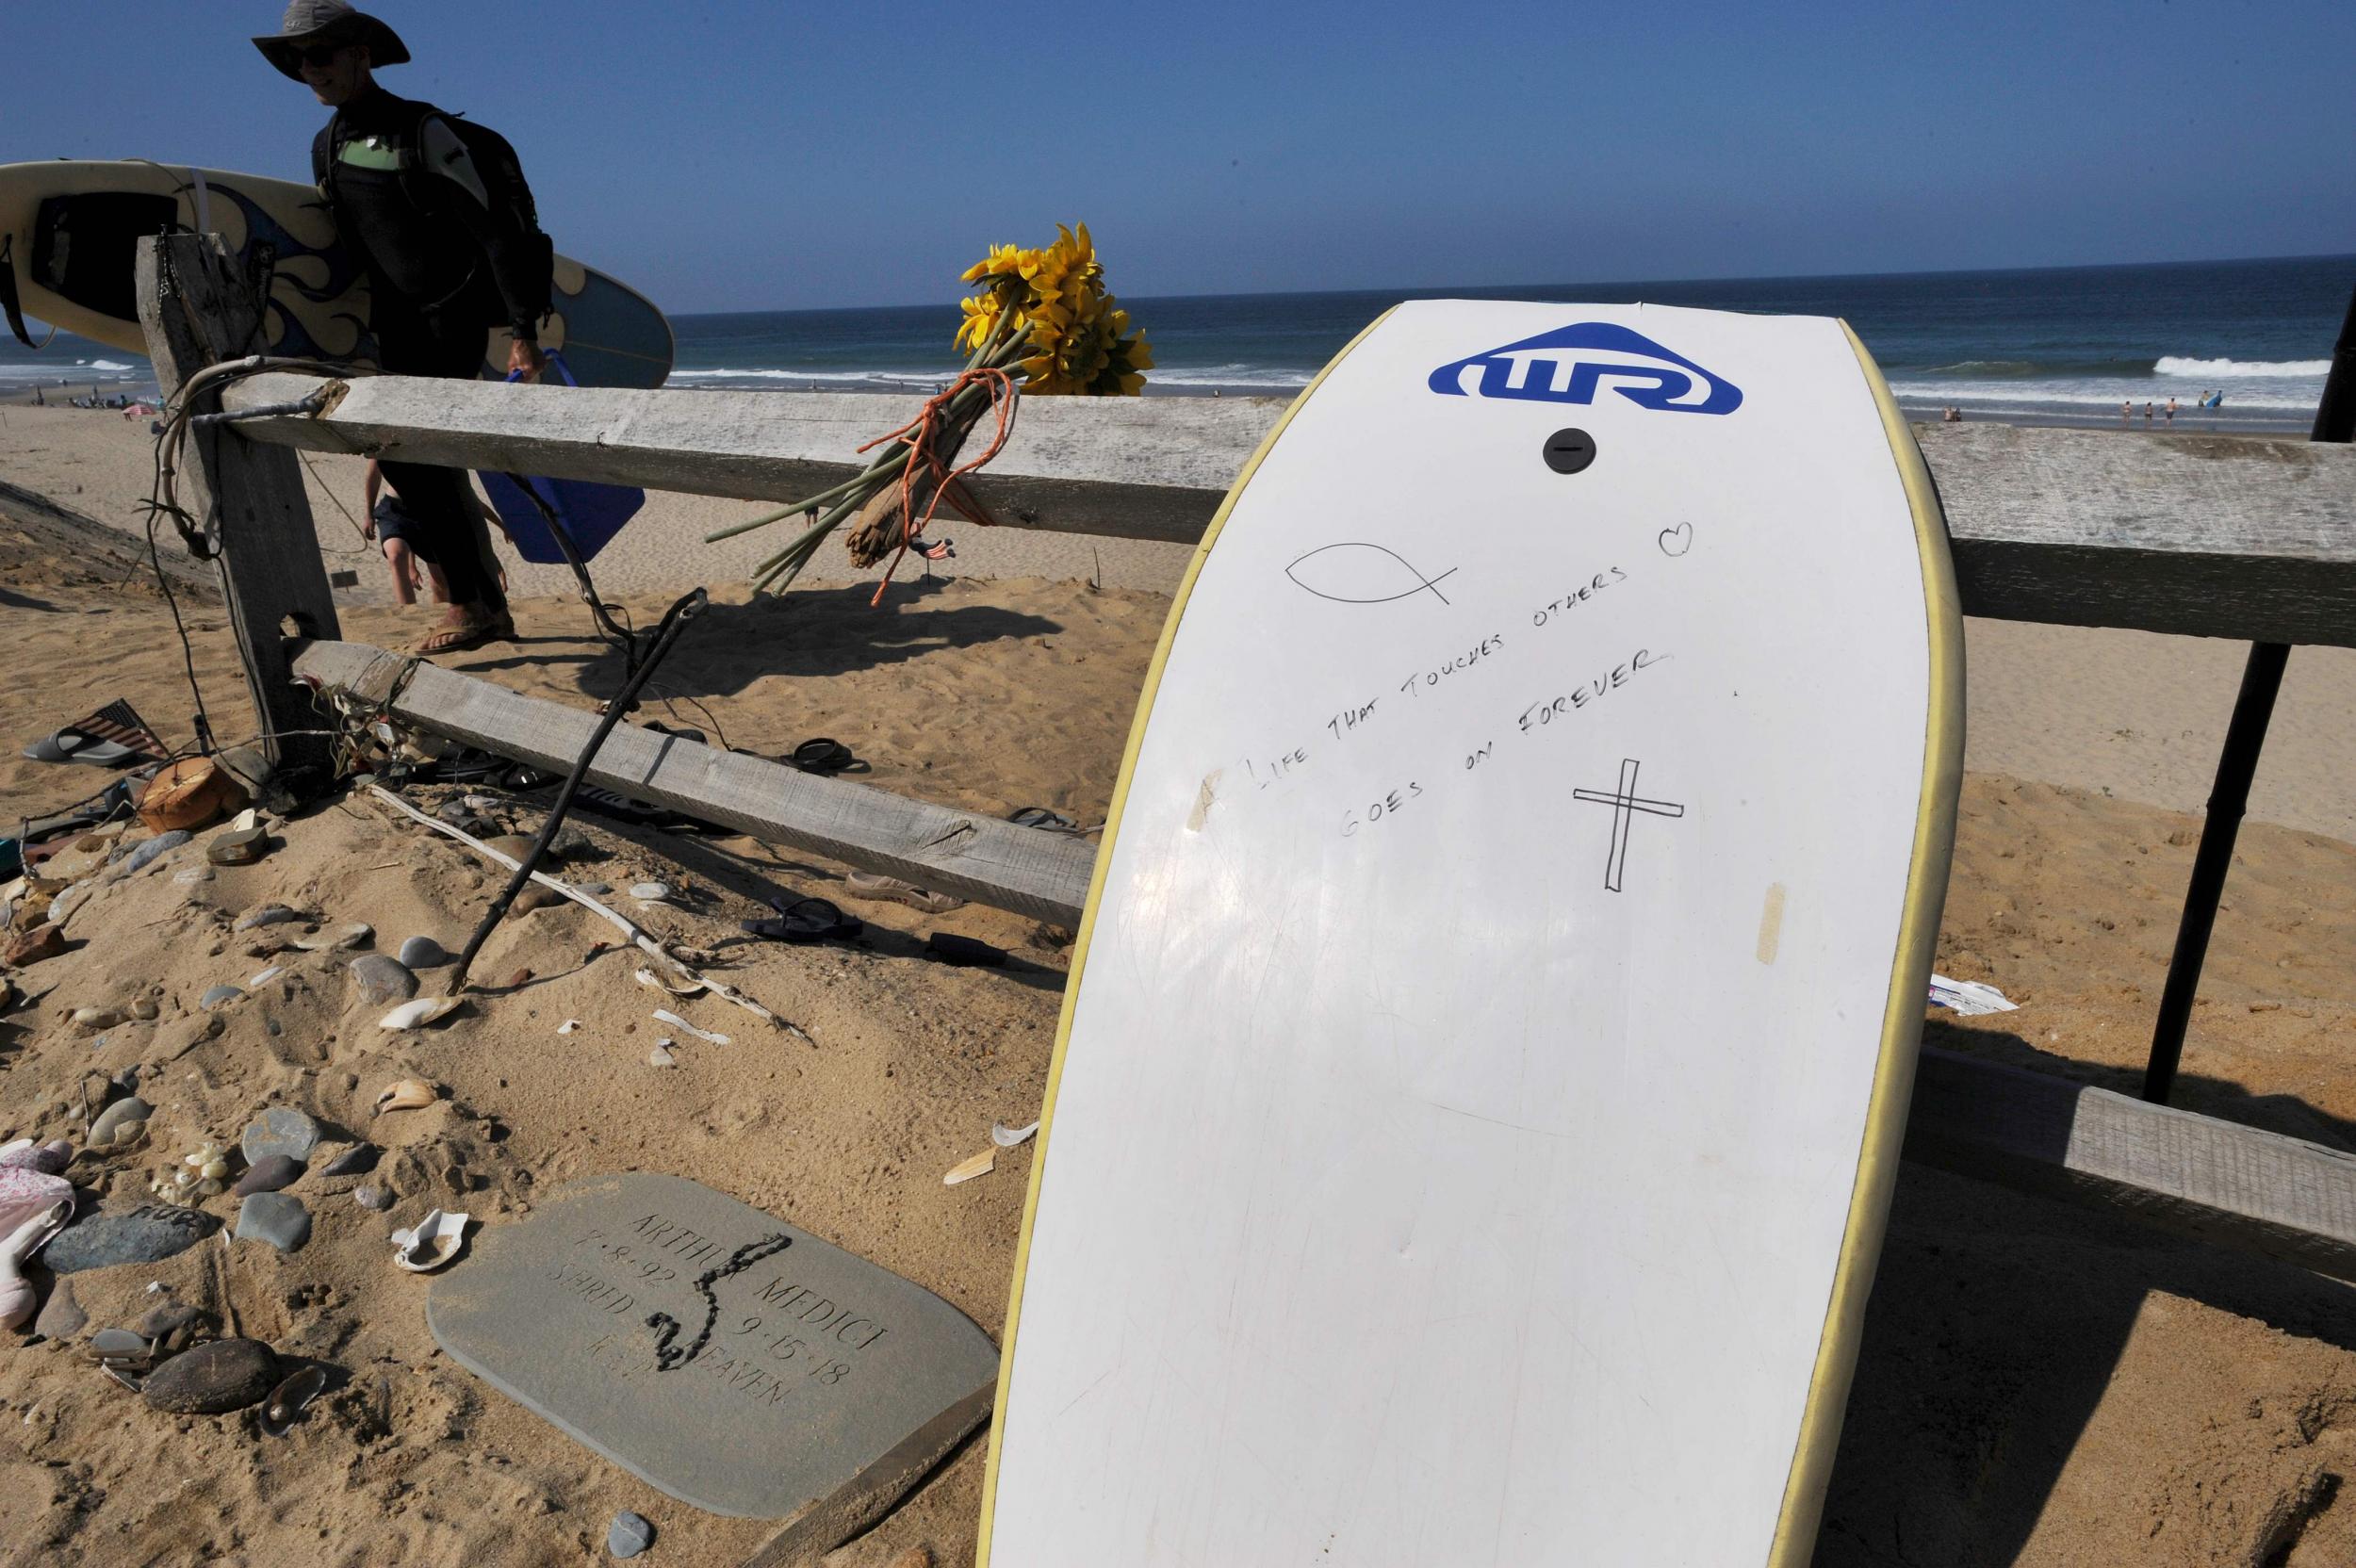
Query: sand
x=2038, y=1385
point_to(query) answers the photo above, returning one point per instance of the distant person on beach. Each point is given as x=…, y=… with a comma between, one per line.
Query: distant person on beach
x=438, y=210
x=389, y=524
x=2147, y=412
x=2126, y=410
x=2171, y=411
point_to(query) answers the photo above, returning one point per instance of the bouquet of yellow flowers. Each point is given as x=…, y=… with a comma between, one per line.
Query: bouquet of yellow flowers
x=1041, y=323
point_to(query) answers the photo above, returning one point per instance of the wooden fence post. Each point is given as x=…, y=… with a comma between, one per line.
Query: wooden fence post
x=201, y=305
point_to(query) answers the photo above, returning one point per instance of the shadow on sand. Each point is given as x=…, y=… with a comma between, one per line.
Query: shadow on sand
x=1998, y=1320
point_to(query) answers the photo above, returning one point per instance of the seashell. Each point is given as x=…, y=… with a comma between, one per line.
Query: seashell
x=213, y=1171
x=220, y=996
x=663, y=1016
x=965, y=1171
x=266, y=976
x=569, y=1026
x=189, y=876
x=408, y=1094
x=432, y=1243
x=289, y=1399
x=661, y=1056
x=1007, y=1137
x=424, y=1010
x=649, y=977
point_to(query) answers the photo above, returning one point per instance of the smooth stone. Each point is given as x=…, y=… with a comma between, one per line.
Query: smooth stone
x=650, y=893
x=372, y=1198
x=359, y=1160
x=280, y=1130
x=110, y=1343
x=629, y=1535
x=34, y=946
x=514, y=845
x=277, y=1218
x=215, y=1379
x=423, y=952
x=382, y=980
x=173, y=1317
x=268, y=914
x=61, y=1316
x=123, y=1112
x=145, y=1009
x=148, y=1233
x=267, y=1174
x=595, y=889
x=220, y=996
x=535, y=896
x=835, y=1446
x=162, y=843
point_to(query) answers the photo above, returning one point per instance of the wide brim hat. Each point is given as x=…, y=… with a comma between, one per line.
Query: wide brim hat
x=311, y=21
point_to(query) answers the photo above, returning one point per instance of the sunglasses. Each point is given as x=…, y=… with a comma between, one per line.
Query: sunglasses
x=320, y=55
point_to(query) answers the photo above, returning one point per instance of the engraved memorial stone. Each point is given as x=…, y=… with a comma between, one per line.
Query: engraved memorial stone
x=737, y=1362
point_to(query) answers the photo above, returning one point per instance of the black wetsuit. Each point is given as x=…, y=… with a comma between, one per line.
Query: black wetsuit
x=444, y=268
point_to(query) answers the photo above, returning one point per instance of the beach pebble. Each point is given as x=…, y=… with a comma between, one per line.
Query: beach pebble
x=41, y=941
x=213, y=1379
x=173, y=1322
x=61, y=1316
x=218, y=995
x=376, y=1199
x=629, y=1535
x=383, y=980
x=269, y=1174
x=280, y=1130
x=595, y=889
x=162, y=843
x=276, y=1217
x=358, y=1160
x=149, y=1233
x=650, y=893
x=95, y=1018
x=423, y=952
x=145, y=1009
x=268, y=914
x=536, y=897
x=514, y=845
x=240, y=846
x=116, y=1120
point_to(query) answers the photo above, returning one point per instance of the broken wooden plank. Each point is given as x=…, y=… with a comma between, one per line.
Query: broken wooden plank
x=1041, y=874
x=199, y=304
x=2196, y=534
x=2217, y=1182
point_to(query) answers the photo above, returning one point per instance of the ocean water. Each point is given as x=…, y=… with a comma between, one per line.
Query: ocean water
x=2045, y=345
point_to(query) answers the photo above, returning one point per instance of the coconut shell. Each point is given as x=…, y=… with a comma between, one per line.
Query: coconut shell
x=189, y=793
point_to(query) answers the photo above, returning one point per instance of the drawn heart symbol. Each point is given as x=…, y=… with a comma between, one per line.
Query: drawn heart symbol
x=1677, y=540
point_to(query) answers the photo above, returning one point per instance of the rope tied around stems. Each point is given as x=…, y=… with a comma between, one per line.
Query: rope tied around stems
x=923, y=436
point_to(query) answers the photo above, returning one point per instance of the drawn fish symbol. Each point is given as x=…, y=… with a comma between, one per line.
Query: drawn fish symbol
x=1363, y=574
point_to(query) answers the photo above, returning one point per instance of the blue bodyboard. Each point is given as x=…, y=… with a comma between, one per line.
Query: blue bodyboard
x=590, y=514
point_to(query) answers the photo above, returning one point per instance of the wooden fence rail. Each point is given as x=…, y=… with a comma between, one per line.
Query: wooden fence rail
x=2201, y=535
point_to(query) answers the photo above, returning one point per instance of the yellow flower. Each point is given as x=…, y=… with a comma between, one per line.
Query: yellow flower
x=1075, y=337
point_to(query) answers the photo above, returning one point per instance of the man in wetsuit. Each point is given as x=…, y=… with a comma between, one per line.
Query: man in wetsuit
x=444, y=225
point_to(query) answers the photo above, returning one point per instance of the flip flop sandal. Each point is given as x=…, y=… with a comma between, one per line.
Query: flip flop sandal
x=467, y=766
x=465, y=637
x=823, y=755
x=880, y=890
x=682, y=734
x=1043, y=819
x=608, y=803
x=803, y=920
x=964, y=952
x=76, y=745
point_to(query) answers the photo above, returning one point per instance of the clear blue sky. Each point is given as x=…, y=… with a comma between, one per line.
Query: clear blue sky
x=735, y=156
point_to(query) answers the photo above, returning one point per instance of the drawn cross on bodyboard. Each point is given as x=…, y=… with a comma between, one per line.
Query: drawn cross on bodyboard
x=1624, y=803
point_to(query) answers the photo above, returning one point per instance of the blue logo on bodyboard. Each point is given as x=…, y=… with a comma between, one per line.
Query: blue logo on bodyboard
x=1551, y=368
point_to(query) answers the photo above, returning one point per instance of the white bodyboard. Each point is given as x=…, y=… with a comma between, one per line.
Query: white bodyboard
x=1486, y=1058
